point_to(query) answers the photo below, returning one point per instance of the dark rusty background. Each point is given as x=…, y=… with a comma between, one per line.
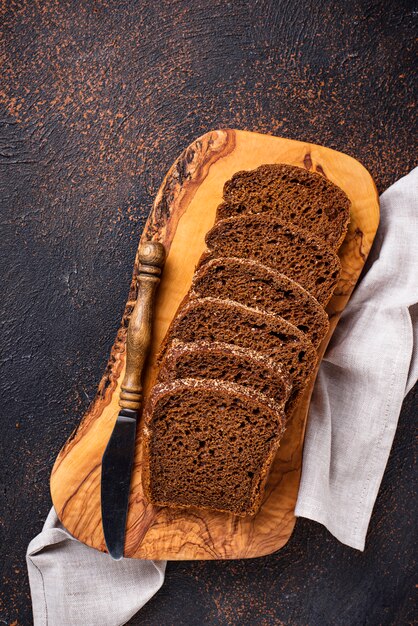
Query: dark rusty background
x=98, y=99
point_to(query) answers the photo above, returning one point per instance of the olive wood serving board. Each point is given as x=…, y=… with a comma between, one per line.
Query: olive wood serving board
x=184, y=210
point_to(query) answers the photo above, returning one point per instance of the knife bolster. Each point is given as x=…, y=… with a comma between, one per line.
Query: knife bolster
x=130, y=400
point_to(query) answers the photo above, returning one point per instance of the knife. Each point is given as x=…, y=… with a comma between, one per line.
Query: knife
x=119, y=454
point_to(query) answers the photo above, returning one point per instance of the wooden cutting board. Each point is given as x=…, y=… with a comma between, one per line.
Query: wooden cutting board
x=184, y=210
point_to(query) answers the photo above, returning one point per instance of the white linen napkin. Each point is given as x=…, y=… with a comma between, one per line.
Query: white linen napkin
x=370, y=365
x=74, y=585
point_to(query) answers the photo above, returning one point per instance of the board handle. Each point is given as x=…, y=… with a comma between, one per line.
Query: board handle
x=151, y=257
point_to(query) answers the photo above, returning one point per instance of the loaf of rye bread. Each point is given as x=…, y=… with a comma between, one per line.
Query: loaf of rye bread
x=223, y=361
x=209, y=444
x=255, y=285
x=291, y=251
x=240, y=350
x=305, y=199
x=211, y=319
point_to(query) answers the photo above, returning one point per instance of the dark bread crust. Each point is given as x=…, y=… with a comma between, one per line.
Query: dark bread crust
x=212, y=319
x=218, y=441
x=287, y=249
x=255, y=285
x=203, y=359
x=305, y=199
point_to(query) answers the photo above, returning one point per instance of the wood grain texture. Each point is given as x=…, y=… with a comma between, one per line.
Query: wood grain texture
x=88, y=130
x=184, y=211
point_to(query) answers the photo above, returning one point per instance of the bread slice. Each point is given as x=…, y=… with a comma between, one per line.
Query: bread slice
x=305, y=199
x=255, y=285
x=287, y=249
x=211, y=319
x=209, y=444
x=222, y=361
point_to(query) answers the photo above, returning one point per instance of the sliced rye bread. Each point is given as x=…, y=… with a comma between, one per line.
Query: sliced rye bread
x=212, y=319
x=291, y=251
x=305, y=199
x=209, y=444
x=255, y=285
x=223, y=361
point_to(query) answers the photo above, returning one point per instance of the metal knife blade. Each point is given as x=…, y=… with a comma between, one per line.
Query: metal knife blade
x=116, y=479
x=119, y=454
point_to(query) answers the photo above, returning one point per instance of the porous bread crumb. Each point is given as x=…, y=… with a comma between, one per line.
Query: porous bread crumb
x=297, y=196
x=228, y=363
x=216, y=440
x=291, y=251
x=258, y=286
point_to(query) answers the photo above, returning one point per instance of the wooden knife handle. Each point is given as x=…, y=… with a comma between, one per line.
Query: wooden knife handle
x=151, y=256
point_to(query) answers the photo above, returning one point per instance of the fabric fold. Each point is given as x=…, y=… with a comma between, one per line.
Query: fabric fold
x=370, y=365
x=74, y=585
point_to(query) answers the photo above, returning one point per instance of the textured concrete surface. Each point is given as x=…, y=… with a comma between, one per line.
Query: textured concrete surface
x=98, y=98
